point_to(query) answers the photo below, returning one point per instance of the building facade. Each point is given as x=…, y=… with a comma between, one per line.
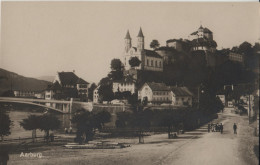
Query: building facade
x=123, y=86
x=181, y=96
x=236, y=57
x=155, y=93
x=71, y=86
x=96, y=95
x=149, y=59
x=202, y=39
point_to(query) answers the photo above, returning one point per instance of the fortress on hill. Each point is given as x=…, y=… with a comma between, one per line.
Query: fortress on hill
x=154, y=60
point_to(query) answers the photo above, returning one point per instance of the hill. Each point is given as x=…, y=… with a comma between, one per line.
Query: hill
x=11, y=80
x=46, y=78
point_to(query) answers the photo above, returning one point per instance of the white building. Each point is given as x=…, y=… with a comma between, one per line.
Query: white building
x=96, y=95
x=181, y=96
x=123, y=86
x=149, y=59
x=155, y=93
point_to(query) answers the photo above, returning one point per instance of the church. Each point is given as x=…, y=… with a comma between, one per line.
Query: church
x=149, y=60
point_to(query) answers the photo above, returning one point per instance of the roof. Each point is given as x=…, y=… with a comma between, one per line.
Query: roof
x=54, y=86
x=81, y=81
x=127, y=35
x=174, y=40
x=205, y=30
x=151, y=53
x=181, y=91
x=70, y=78
x=140, y=34
x=158, y=86
x=203, y=42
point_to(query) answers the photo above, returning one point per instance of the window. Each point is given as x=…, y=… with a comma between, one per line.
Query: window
x=151, y=62
x=160, y=64
x=147, y=62
x=155, y=63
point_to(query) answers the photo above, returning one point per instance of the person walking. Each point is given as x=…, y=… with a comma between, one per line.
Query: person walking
x=70, y=130
x=66, y=130
x=235, y=128
x=208, y=127
x=221, y=128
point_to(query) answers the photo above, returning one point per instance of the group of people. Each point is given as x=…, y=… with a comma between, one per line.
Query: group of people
x=68, y=131
x=215, y=127
x=219, y=128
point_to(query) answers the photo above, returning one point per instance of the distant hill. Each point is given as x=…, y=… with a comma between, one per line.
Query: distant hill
x=12, y=80
x=46, y=78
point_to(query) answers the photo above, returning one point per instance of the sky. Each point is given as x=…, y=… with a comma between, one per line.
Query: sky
x=43, y=38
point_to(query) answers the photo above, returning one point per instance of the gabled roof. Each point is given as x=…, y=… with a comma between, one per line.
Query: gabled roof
x=70, y=78
x=158, y=86
x=140, y=34
x=151, y=53
x=81, y=81
x=54, y=86
x=181, y=91
x=127, y=35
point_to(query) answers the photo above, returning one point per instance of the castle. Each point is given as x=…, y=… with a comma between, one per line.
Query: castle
x=200, y=40
x=149, y=60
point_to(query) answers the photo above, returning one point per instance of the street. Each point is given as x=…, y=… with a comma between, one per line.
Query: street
x=197, y=147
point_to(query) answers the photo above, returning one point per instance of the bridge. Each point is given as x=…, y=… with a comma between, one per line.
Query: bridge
x=61, y=106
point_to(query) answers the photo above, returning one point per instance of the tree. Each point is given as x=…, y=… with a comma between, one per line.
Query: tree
x=154, y=44
x=86, y=122
x=141, y=120
x=116, y=65
x=134, y=62
x=106, y=93
x=5, y=124
x=31, y=123
x=102, y=118
x=49, y=122
x=170, y=118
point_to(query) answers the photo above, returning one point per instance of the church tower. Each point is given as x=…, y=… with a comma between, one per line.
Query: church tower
x=128, y=43
x=140, y=41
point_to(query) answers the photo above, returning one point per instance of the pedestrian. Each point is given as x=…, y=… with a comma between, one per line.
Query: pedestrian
x=208, y=127
x=70, y=130
x=212, y=127
x=216, y=127
x=66, y=130
x=235, y=128
x=221, y=128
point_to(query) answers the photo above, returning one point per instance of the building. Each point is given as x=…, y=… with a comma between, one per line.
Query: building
x=236, y=57
x=149, y=59
x=53, y=91
x=96, y=95
x=155, y=93
x=202, y=39
x=124, y=85
x=24, y=93
x=174, y=43
x=181, y=96
x=71, y=86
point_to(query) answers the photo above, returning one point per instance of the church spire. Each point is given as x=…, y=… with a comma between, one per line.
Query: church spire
x=127, y=35
x=140, y=34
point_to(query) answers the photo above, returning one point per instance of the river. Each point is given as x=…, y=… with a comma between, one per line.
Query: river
x=16, y=116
